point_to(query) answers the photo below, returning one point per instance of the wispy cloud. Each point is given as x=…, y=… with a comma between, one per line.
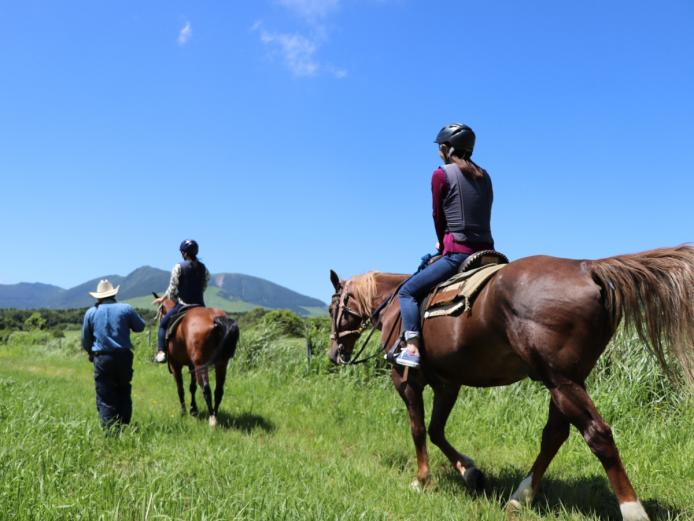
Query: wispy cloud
x=311, y=10
x=299, y=49
x=184, y=34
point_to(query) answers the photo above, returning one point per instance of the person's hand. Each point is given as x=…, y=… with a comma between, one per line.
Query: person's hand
x=438, y=246
x=158, y=301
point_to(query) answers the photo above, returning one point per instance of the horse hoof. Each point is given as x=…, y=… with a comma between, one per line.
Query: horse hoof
x=513, y=509
x=416, y=486
x=474, y=479
x=633, y=511
x=213, y=421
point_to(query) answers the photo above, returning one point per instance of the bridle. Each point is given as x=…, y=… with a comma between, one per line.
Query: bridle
x=372, y=321
x=344, y=309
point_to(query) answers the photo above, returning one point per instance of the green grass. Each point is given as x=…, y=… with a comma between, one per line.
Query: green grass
x=300, y=441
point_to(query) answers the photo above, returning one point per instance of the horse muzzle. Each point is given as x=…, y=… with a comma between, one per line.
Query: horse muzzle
x=339, y=355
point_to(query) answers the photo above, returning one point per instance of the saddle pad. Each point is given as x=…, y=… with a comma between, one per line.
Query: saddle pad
x=459, y=291
x=176, y=319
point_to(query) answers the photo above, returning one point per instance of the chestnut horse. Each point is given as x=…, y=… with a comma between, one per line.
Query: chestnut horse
x=204, y=338
x=541, y=317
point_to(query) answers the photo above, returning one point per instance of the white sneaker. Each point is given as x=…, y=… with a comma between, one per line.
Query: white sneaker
x=160, y=357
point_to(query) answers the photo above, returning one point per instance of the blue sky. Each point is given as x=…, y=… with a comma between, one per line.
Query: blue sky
x=293, y=136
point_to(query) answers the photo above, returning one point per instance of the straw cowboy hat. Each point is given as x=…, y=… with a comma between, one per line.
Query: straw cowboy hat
x=104, y=290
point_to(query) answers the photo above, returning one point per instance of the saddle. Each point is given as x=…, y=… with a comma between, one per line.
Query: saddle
x=459, y=292
x=176, y=319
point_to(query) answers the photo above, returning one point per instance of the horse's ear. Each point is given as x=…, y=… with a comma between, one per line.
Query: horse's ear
x=335, y=280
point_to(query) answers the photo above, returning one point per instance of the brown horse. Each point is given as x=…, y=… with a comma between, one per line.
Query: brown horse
x=204, y=338
x=540, y=317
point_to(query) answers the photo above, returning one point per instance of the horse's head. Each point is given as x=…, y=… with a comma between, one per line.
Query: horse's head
x=348, y=317
x=164, y=306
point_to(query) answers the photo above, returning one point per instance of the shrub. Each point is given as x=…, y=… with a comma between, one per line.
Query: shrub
x=251, y=318
x=34, y=322
x=284, y=322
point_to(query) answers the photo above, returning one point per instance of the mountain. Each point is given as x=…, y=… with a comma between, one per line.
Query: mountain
x=229, y=291
x=26, y=295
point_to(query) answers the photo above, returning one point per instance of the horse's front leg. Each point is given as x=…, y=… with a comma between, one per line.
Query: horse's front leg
x=412, y=396
x=444, y=400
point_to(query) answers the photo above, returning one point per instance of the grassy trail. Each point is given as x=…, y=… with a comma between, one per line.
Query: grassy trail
x=293, y=445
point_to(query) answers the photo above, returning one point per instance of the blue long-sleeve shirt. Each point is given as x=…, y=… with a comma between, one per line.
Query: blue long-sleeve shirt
x=107, y=327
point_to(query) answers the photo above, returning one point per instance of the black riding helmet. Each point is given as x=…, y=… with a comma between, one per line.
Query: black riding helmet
x=459, y=136
x=190, y=247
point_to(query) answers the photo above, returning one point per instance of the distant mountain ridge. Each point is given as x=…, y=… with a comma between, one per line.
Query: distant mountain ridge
x=230, y=291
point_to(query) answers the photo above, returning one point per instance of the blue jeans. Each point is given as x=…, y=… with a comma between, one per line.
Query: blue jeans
x=113, y=372
x=161, y=334
x=420, y=284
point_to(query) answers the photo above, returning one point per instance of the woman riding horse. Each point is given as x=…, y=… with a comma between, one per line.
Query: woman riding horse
x=462, y=207
x=187, y=286
x=540, y=317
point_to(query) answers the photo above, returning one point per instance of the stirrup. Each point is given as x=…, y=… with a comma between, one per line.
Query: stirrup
x=395, y=351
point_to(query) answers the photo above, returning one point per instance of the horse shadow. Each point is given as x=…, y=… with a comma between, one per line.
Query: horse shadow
x=590, y=496
x=244, y=422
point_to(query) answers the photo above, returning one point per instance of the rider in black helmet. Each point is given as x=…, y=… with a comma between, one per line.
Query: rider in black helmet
x=458, y=139
x=187, y=286
x=462, y=203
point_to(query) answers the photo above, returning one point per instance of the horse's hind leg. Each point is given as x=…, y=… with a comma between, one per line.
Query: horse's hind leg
x=553, y=436
x=220, y=377
x=179, y=386
x=573, y=401
x=444, y=400
x=204, y=381
x=193, y=388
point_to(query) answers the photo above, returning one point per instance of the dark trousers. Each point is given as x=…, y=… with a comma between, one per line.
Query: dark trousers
x=420, y=284
x=161, y=334
x=113, y=372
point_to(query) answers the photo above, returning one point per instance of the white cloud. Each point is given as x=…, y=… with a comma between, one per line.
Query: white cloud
x=297, y=51
x=337, y=72
x=311, y=10
x=184, y=34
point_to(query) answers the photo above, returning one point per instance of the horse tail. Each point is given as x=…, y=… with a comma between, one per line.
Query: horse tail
x=227, y=331
x=654, y=292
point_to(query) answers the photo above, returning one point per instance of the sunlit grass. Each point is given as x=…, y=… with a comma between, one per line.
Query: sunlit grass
x=300, y=441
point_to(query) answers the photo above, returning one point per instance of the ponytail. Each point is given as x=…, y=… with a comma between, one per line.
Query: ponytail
x=467, y=166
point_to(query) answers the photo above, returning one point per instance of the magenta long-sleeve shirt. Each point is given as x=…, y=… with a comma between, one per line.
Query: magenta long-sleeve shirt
x=447, y=243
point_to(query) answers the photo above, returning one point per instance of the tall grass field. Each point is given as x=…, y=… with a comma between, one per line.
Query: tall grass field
x=300, y=440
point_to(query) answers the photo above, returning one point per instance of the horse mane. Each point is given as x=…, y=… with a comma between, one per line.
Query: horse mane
x=364, y=290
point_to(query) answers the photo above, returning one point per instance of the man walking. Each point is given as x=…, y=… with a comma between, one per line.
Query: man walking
x=106, y=337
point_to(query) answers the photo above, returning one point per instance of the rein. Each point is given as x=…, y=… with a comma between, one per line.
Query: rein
x=374, y=319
